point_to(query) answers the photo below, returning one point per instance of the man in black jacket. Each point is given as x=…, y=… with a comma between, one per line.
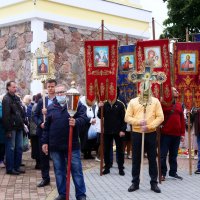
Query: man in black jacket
x=114, y=128
x=38, y=119
x=13, y=122
x=55, y=139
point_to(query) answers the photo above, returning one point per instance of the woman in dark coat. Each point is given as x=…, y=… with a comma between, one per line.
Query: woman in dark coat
x=35, y=153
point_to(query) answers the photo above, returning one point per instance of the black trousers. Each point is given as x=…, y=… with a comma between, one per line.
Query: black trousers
x=44, y=163
x=108, y=143
x=150, y=147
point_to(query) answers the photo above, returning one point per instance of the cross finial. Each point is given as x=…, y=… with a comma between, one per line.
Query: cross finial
x=146, y=77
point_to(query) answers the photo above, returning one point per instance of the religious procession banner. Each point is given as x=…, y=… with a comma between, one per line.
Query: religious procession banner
x=155, y=55
x=187, y=72
x=126, y=65
x=101, y=64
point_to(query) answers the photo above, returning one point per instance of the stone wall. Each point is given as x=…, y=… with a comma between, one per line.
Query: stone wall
x=67, y=43
x=15, y=56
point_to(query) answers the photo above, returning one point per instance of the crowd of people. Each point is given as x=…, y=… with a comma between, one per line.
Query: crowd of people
x=47, y=126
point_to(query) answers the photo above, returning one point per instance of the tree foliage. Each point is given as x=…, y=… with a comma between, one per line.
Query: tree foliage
x=181, y=14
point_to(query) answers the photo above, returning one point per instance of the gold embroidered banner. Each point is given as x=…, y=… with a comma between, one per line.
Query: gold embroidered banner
x=101, y=65
x=187, y=72
x=155, y=53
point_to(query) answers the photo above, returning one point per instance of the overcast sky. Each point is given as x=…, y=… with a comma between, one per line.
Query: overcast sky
x=159, y=12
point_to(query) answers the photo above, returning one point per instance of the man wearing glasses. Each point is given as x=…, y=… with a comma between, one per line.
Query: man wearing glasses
x=172, y=133
x=55, y=139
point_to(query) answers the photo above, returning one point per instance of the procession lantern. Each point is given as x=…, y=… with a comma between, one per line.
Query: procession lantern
x=72, y=99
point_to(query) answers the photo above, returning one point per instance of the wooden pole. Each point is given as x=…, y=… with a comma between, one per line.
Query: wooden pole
x=187, y=35
x=159, y=159
x=101, y=142
x=189, y=131
x=142, y=159
x=126, y=39
x=158, y=140
x=43, y=98
x=102, y=29
x=69, y=159
x=142, y=150
x=102, y=115
x=153, y=28
x=189, y=144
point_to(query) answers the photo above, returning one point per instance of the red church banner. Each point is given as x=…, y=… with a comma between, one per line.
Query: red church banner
x=156, y=53
x=187, y=72
x=101, y=64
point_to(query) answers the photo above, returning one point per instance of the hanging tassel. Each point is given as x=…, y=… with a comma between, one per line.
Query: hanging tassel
x=96, y=89
x=107, y=82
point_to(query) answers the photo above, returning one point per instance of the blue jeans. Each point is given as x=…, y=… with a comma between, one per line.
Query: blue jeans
x=60, y=165
x=169, y=144
x=14, y=151
x=198, y=143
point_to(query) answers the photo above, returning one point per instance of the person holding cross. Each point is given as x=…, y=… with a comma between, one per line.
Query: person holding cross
x=145, y=114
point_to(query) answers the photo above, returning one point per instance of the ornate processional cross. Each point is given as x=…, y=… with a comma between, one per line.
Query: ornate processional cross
x=146, y=77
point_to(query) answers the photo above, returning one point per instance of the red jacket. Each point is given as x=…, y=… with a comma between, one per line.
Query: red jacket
x=174, y=122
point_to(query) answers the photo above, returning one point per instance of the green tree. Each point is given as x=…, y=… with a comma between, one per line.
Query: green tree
x=181, y=14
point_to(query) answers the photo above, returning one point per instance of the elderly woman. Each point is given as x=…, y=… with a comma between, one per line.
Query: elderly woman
x=27, y=100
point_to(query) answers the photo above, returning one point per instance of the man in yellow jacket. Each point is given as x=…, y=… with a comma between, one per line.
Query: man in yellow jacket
x=145, y=114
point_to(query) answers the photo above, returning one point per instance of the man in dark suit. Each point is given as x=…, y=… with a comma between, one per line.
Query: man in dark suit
x=38, y=118
x=114, y=128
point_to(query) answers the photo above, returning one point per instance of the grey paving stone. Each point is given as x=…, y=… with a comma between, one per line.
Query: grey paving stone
x=114, y=187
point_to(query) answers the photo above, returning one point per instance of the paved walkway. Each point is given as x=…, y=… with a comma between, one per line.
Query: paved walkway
x=24, y=186
x=109, y=187
x=114, y=187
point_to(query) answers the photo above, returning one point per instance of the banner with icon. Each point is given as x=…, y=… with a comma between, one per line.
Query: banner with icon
x=101, y=65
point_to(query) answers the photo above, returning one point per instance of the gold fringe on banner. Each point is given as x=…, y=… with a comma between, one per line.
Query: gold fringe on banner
x=107, y=83
x=96, y=88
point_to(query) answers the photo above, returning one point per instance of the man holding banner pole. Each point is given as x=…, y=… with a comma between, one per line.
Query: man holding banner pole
x=39, y=119
x=55, y=140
